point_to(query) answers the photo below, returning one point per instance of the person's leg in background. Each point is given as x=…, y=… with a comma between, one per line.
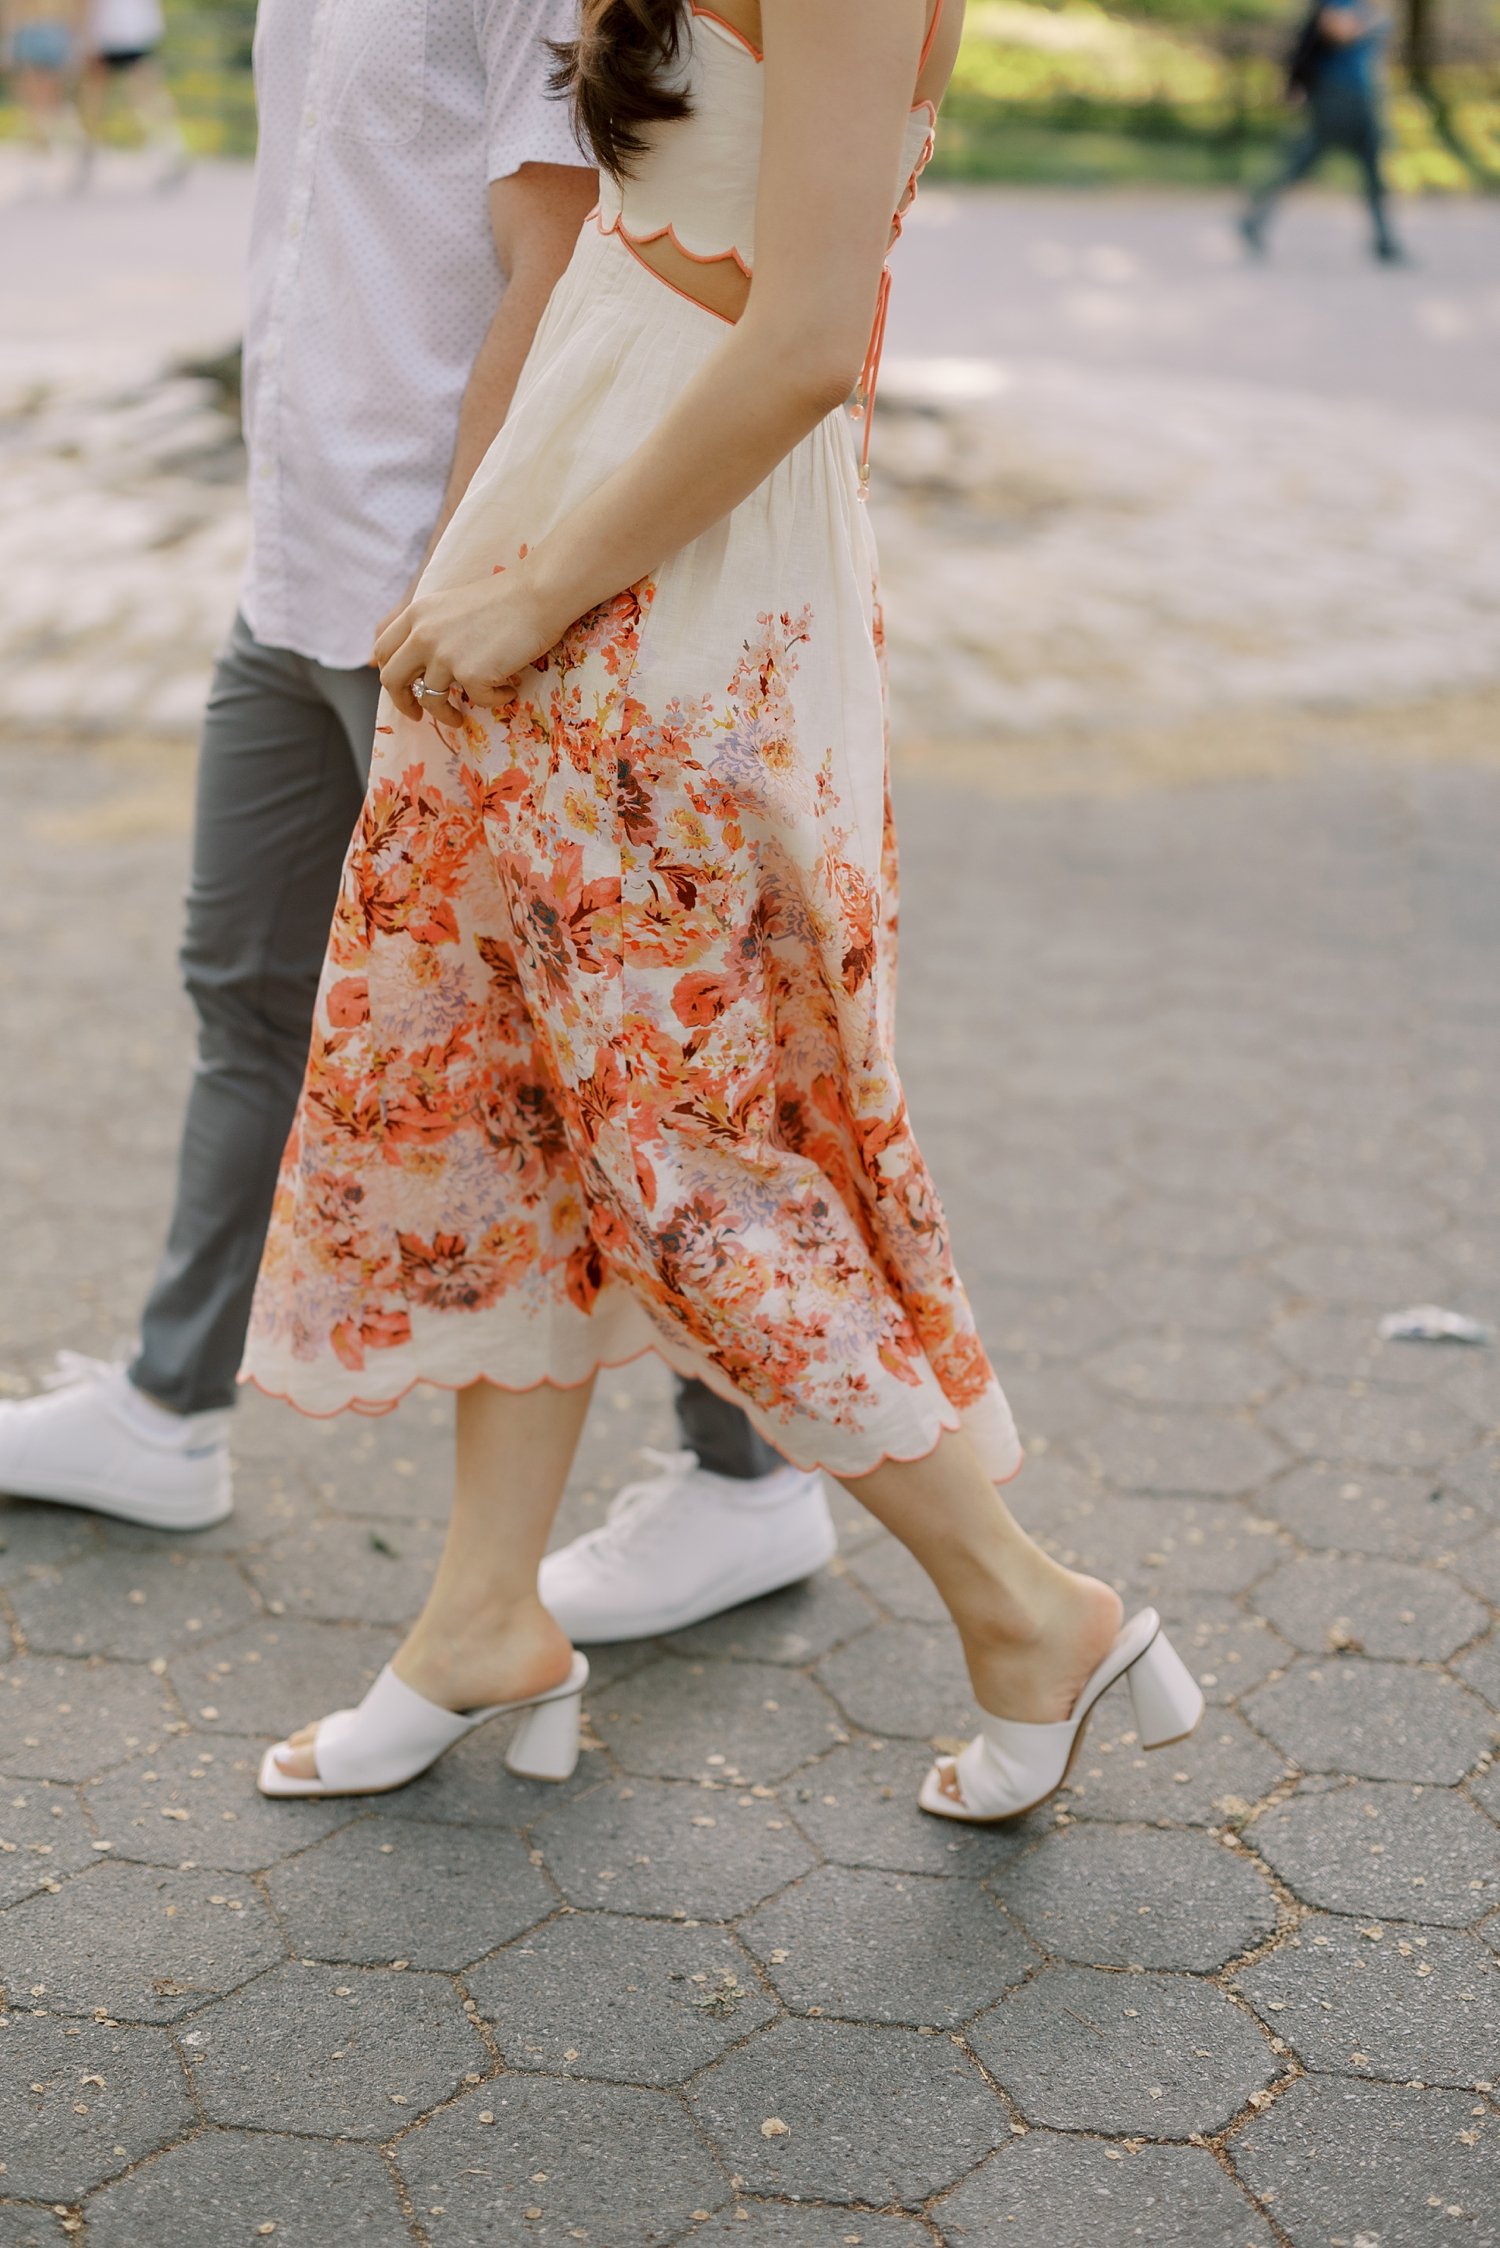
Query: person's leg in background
x=286, y=746
x=1301, y=156
x=1367, y=151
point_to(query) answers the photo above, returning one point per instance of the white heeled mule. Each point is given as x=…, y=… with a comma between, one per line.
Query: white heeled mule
x=396, y=1733
x=1009, y=1768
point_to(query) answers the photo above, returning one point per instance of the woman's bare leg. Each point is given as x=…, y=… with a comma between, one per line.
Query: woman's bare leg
x=1031, y=1629
x=483, y=1635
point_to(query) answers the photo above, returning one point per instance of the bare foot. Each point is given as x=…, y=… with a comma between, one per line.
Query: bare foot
x=464, y=1663
x=1036, y=1678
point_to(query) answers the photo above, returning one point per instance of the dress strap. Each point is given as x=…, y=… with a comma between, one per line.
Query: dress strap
x=929, y=42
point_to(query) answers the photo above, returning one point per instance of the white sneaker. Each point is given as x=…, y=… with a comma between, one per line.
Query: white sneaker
x=91, y=1439
x=683, y=1545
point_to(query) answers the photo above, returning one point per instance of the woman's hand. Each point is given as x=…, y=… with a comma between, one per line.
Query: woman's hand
x=465, y=641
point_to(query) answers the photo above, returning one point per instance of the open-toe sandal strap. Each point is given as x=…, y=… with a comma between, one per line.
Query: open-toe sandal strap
x=395, y=1731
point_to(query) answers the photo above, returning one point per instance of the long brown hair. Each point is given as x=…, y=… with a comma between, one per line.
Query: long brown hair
x=617, y=74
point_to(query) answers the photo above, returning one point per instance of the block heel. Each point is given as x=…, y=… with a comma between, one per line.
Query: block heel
x=1164, y=1694
x=544, y=1745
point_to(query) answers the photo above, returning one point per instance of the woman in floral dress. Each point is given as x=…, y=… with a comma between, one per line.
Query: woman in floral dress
x=603, y=1053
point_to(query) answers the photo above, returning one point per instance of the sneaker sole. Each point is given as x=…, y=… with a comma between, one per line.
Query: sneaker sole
x=734, y=1594
x=139, y=1511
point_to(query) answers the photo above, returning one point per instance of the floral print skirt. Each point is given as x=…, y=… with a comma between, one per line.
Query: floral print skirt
x=602, y=1059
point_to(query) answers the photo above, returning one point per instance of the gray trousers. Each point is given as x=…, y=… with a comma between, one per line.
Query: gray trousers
x=281, y=776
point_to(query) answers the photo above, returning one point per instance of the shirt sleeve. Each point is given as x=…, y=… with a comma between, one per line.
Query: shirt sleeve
x=524, y=122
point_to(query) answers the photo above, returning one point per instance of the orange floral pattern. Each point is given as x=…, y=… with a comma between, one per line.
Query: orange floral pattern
x=602, y=1053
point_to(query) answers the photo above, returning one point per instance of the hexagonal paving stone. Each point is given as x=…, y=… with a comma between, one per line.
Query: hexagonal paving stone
x=1117, y=1897
x=1384, y=1607
x=881, y=2115
x=1050, y=1323
x=1345, y=1346
x=69, y=1720
x=1415, y=1853
x=1380, y=1427
x=188, y=1803
x=633, y=2001
x=146, y=1944
x=1213, y=1777
x=1226, y=1650
x=1052, y=1403
x=898, y=1581
x=1379, y=1998
x=1477, y=1477
x=555, y=2160
x=906, y=1679
x=42, y=1837
x=1222, y=1300
x=384, y=1889
x=1361, y=1278
x=687, y=1720
x=399, y=1470
x=60, y=2141
x=859, y=1806
x=349, y=1572
x=1374, y=2160
x=1479, y=1566
x=887, y=1947
x=22, y=2227
x=229, y=2185
x=794, y=1626
x=1188, y=1370
x=773, y=2224
x=649, y=1847
x=1188, y=1454
x=37, y=1537
x=1405, y=1517
x=1160, y=2056
x=1162, y=1549
x=135, y=1609
x=335, y=2052
x=270, y=1678
x=1161, y=2197
x=1382, y=1721
x=1481, y=1669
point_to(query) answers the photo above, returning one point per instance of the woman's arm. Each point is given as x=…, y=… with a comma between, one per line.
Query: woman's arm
x=839, y=76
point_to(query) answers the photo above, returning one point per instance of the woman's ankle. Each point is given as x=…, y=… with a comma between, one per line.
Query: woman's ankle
x=497, y=1649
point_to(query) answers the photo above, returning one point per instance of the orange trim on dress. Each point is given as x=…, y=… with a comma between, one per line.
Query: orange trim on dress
x=628, y=245
x=734, y=31
x=371, y=1410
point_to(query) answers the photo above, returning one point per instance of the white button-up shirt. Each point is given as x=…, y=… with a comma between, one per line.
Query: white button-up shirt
x=373, y=278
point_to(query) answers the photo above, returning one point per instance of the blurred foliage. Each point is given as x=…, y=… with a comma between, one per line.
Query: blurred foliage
x=1059, y=91
x=1184, y=91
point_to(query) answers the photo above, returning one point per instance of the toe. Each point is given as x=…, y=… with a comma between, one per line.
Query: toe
x=297, y=1763
x=303, y=1738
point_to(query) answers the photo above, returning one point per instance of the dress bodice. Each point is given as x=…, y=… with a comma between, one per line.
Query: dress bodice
x=696, y=183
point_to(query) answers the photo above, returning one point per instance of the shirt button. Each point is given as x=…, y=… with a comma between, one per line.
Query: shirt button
x=294, y=228
x=310, y=117
x=265, y=472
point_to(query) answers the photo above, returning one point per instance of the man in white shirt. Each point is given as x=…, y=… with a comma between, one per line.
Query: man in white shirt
x=418, y=193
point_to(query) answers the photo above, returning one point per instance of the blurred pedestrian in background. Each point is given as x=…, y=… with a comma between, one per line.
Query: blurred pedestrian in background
x=41, y=47
x=121, y=46
x=1335, y=68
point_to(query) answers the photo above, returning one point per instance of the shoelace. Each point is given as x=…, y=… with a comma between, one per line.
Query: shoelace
x=636, y=1499
x=73, y=1366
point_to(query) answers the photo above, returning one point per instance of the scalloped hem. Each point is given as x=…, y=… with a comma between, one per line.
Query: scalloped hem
x=374, y=1409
